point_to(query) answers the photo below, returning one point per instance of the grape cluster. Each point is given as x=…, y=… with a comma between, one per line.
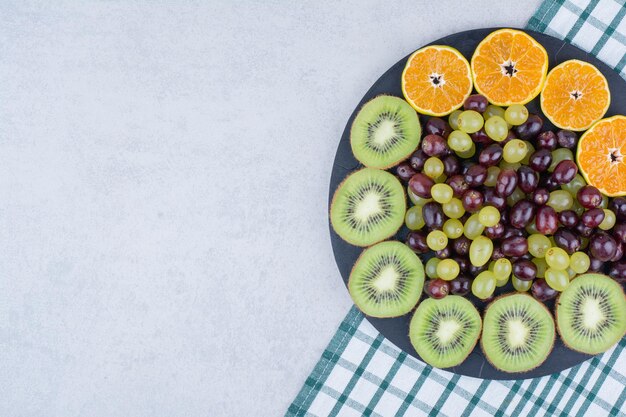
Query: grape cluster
x=498, y=199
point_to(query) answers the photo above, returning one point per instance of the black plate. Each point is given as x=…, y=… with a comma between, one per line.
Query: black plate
x=397, y=329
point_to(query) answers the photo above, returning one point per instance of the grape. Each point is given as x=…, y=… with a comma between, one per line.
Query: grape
x=496, y=128
x=492, y=176
x=577, y=208
x=605, y=202
x=491, y=155
x=506, y=183
x=574, y=185
x=516, y=195
x=414, y=219
x=489, y=216
x=530, y=128
x=546, y=220
x=453, y=119
x=458, y=184
x=521, y=286
x=493, y=111
x=453, y=228
x=560, y=200
x=557, y=258
x=509, y=165
x=433, y=167
x=434, y=145
x=469, y=153
x=480, y=251
x=521, y=214
x=459, y=141
x=461, y=245
x=437, y=126
x=540, y=196
x=528, y=179
x=454, y=208
x=602, y=246
x=531, y=228
x=494, y=200
x=433, y=215
x=516, y=114
x=514, y=151
x=417, y=160
x=460, y=285
x=497, y=253
x=476, y=175
x=547, y=140
x=557, y=279
x=405, y=171
x=583, y=230
x=541, y=265
x=484, y=285
x=442, y=193
x=495, y=232
x=510, y=231
x=472, y=228
x=567, y=240
x=595, y=265
x=437, y=288
x=568, y=218
x=431, y=267
x=538, y=245
x=451, y=165
x=540, y=160
x=476, y=102
x=463, y=263
x=524, y=270
x=501, y=269
x=567, y=139
x=584, y=243
x=437, y=240
x=472, y=200
x=593, y=217
x=529, y=152
x=618, y=272
x=448, y=269
x=470, y=121
x=441, y=179
x=619, y=232
x=542, y=291
x=564, y=172
x=417, y=200
x=474, y=270
x=579, y=262
x=421, y=185
x=481, y=137
x=514, y=246
x=589, y=197
x=417, y=242
x=618, y=253
x=618, y=205
x=558, y=155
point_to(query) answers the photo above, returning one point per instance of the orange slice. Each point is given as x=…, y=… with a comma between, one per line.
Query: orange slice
x=601, y=156
x=509, y=67
x=575, y=95
x=436, y=80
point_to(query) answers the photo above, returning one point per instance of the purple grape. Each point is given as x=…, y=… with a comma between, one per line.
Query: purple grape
x=510, y=231
x=464, y=263
x=458, y=185
x=540, y=160
x=542, y=291
x=546, y=220
x=437, y=288
x=547, y=140
x=475, y=270
x=492, y=199
x=417, y=242
x=530, y=128
x=583, y=231
x=567, y=240
x=460, y=285
x=476, y=102
x=618, y=205
x=405, y=171
x=481, y=137
x=602, y=246
x=568, y=218
x=437, y=126
x=593, y=217
x=434, y=145
x=618, y=272
x=595, y=265
x=472, y=200
x=495, y=232
x=491, y=155
x=528, y=179
x=589, y=197
x=421, y=184
x=564, y=172
x=476, y=175
x=567, y=139
x=433, y=215
x=619, y=232
x=548, y=183
x=522, y=213
x=497, y=253
x=525, y=270
x=618, y=253
x=506, y=182
x=465, y=165
x=514, y=246
x=540, y=196
x=418, y=159
x=461, y=245
x=451, y=165
x=443, y=253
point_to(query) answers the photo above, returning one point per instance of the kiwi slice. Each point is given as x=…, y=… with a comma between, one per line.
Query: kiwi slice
x=591, y=313
x=384, y=132
x=386, y=280
x=518, y=333
x=368, y=207
x=444, y=332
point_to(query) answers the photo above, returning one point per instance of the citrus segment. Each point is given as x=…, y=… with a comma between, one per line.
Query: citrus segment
x=601, y=156
x=436, y=80
x=509, y=67
x=575, y=95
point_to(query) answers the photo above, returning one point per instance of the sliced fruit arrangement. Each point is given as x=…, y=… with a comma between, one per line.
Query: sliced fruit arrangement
x=385, y=131
x=387, y=280
x=575, y=95
x=591, y=313
x=509, y=67
x=444, y=332
x=436, y=80
x=518, y=333
x=601, y=156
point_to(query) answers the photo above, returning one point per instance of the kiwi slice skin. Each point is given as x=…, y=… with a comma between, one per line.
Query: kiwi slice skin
x=541, y=331
x=444, y=332
x=386, y=280
x=385, y=132
x=605, y=323
x=368, y=207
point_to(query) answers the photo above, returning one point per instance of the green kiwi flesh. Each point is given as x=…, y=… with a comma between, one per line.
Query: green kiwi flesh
x=591, y=313
x=368, y=206
x=444, y=332
x=386, y=280
x=518, y=333
x=385, y=132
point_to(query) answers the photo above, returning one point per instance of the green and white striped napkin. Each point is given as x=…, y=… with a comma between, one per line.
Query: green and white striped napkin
x=362, y=374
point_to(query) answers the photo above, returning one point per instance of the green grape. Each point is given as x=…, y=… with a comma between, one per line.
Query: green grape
x=484, y=285
x=470, y=121
x=469, y=153
x=519, y=285
x=609, y=220
x=578, y=209
x=441, y=179
x=433, y=167
x=453, y=228
x=414, y=219
x=574, y=185
x=459, y=141
x=514, y=151
x=531, y=150
x=480, y=251
x=538, y=245
x=488, y=216
x=579, y=262
x=557, y=259
x=570, y=273
x=552, y=243
x=493, y=111
x=558, y=155
x=560, y=200
x=515, y=196
x=509, y=165
x=541, y=265
x=516, y=114
x=605, y=202
x=531, y=229
x=442, y=193
x=472, y=228
x=453, y=119
x=453, y=209
x=437, y=240
x=584, y=242
x=431, y=267
x=557, y=279
x=492, y=176
x=502, y=271
x=448, y=269
x=415, y=199
x=496, y=128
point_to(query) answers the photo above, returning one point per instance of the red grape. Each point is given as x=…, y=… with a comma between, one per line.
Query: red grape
x=547, y=140
x=528, y=179
x=522, y=213
x=592, y=218
x=437, y=126
x=458, y=185
x=546, y=220
x=564, y=172
x=567, y=240
x=530, y=128
x=540, y=160
x=451, y=165
x=542, y=291
x=602, y=246
x=514, y=246
x=417, y=242
x=405, y=171
x=476, y=175
x=525, y=270
x=476, y=102
x=433, y=215
x=540, y=196
x=506, y=182
x=421, y=184
x=437, y=288
x=589, y=197
x=434, y=145
x=472, y=200
x=491, y=155
x=568, y=218
x=418, y=159
x=567, y=139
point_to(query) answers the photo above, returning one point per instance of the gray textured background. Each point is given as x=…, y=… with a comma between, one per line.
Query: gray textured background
x=164, y=167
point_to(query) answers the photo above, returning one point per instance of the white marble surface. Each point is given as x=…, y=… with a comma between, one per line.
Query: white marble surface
x=164, y=167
